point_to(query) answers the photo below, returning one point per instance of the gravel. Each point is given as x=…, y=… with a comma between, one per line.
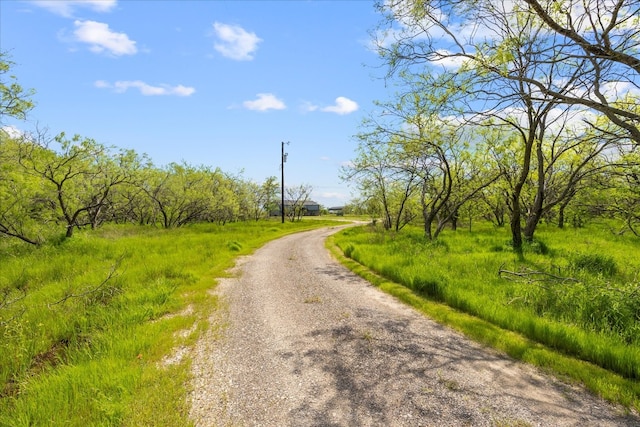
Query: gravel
x=301, y=341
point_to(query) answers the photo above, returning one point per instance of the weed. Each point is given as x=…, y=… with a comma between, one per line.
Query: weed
x=449, y=384
x=367, y=336
x=595, y=263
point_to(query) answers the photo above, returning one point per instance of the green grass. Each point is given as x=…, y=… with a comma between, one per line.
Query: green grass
x=579, y=319
x=85, y=323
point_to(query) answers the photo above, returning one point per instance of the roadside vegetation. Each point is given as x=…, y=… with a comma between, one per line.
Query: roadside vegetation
x=92, y=327
x=503, y=179
x=106, y=266
x=502, y=182
x=570, y=303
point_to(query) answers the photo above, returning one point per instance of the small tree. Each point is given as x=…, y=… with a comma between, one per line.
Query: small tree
x=297, y=196
x=80, y=175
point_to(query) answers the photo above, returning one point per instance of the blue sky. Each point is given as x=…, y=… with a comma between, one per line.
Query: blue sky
x=217, y=83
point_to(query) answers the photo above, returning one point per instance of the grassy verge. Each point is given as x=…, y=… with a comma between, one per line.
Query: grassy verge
x=88, y=325
x=455, y=281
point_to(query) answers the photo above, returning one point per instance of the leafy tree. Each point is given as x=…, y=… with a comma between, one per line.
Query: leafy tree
x=77, y=175
x=600, y=38
x=224, y=204
x=510, y=71
x=386, y=185
x=121, y=177
x=181, y=193
x=269, y=191
x=25, y=206
x=14, y=100
x=261, y=198
x=622, y=196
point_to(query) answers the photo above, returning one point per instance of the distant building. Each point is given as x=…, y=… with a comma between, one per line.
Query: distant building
x=309, y=208
x=337, y=210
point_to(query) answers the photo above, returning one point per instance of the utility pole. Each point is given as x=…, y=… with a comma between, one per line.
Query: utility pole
x=284, y=159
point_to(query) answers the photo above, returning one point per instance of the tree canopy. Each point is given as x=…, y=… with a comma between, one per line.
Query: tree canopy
x=511, y=105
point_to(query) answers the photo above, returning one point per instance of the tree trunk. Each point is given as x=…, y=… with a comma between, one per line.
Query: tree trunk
x=428, y=225
x=454, y=220
x=534, y=216
x=427, y=216
x=536, y=211
x=499, y=216
x=561, y=216
x=516, y=228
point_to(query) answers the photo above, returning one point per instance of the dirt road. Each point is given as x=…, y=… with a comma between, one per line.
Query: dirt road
x=301, y=341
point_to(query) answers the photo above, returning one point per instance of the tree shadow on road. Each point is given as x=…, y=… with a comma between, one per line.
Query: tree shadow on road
x=390, y=373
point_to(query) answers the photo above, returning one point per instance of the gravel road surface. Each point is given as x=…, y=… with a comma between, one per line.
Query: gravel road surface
x=301, y=341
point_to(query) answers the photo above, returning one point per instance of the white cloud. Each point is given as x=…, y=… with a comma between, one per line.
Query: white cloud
x=342, y=106
x=102, y=84
x=264, y=102
x=307, y=107
x=235, y=42
x=66, y=8
x=100, y=38
x=448, y=60
x=13, y=132
x=146, y=89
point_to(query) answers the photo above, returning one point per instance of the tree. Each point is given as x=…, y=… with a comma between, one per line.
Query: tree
x=297, y=197
x=262, y=198
x=181, y=193
x=25, y=210
x=496, y=62
x=595, y=41
x=622, y=185
x=422, y=153
x=601, y=37
x=382, y=181
x=80, y=175
x=14, y=100
x=224, y=204
x=440, y=152
x=269, y=191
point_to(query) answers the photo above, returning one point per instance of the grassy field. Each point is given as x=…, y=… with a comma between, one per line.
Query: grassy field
x=88, y=325
x=569, y=304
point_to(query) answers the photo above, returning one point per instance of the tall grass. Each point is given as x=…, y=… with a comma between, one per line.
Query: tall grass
x=574, y=291
x=85, y=323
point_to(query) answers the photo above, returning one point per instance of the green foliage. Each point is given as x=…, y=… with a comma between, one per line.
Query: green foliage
x=595, y=263
x=52, y=187
x=24, y=202
x=87, y=325
x=552, y=293
x=605, y=383
x=14, y=100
